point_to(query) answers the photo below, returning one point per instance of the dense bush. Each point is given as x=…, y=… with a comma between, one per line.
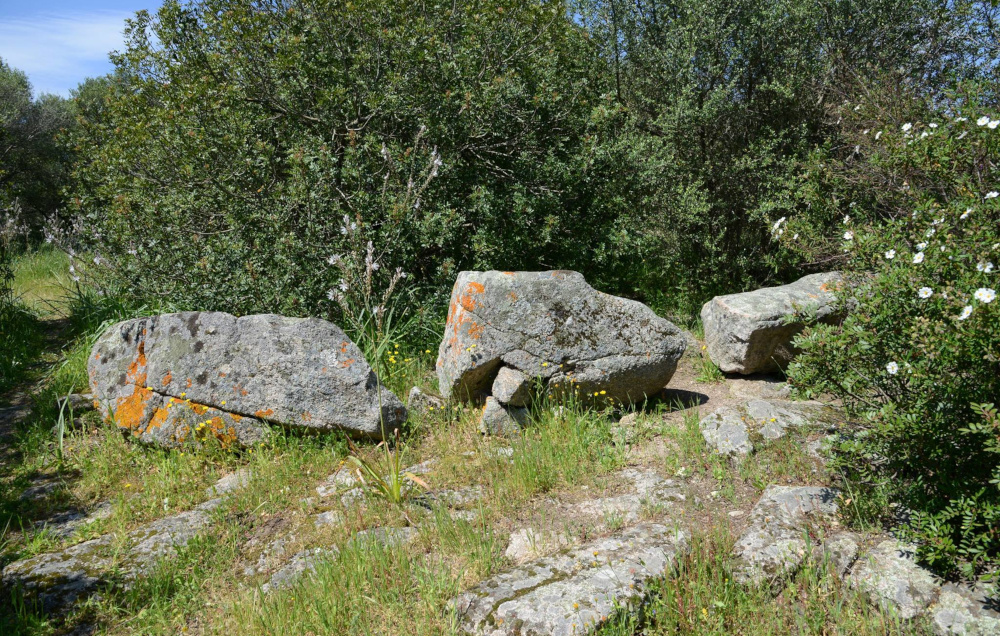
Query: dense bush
x=240, y=143
x=918, y=358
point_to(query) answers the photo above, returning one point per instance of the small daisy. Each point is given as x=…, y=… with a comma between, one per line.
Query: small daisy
x=918, y=257
x=982, y=121
x=966, y=312
x=925, y=292
x=907, y=127
x=933, y=125
x=848, y=235
x=877, y=135
x=961, y=119
x=892, y=368
x=992, y=195
x=847, y=219
x=891, y=254
x=965, y=214
x=921, y=246
x=985, y=295
x=993, y=124
x=929, y=233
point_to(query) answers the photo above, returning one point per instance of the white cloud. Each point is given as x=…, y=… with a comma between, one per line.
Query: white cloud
x=58, y=51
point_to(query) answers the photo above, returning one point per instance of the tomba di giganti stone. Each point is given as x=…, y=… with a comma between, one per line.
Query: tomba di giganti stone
x=169, y=378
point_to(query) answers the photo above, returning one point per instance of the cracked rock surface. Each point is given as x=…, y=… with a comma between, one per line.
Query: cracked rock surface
x=572, y=592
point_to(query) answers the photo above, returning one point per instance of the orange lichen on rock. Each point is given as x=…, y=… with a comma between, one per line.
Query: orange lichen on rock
x=167, y=378
x=346, y=363
x=307, y=417
x=159, y=417
x=264, y=413
x=130, y=411
x=476, y=330
x=467, y=300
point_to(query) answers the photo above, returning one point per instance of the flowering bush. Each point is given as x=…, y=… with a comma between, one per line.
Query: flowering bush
x=918, y=358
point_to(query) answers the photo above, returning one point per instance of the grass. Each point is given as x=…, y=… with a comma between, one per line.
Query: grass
x=42, y=281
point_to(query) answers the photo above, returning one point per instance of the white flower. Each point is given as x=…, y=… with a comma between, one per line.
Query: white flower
x=76, y=279
x=943, y=248
x=133, y=252
x=848, y=235
x=97, y=260
x=932, y=125
x=980, y=267
x=907, y=126
x=966, y=312
x=965, y=214
x=921, y=246
x=343, y=285
x=857, y=108
x=891, y=254
x=795, y=237
x=985, y=295
x=929, y=233
x=892, y=368
x=915, y=213
x=993, y=124
x=778, y=223
x=847, y=219
x=925, y=292
x=332, y=295
x=918, y=257
x=72, y=270
x=982, y=121
x=334, y=259
x=924, y=134
x=961, y=119
x=375, y=267
x=992, y=195
x=877, y=135
x=989, y=268
x=937, y=221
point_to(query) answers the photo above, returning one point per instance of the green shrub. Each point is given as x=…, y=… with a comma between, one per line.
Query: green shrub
x=19, y=328
x=920, y=349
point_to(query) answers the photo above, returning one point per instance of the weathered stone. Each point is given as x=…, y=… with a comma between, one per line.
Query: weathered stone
x=891, y=577
x=232, y=482
x=528, y=542
x=839, y=551
x=752, y=332
x=511, y=387
x=648, y=488
x=775, y=542
x=960, y=610
x=328, y=518
x=65, y=524
x=726, y=432
x=59, y=579
x=423, y=403
x=301, y=373
x=385, y=536
x=499, y=420
x=301, y=564
x=556, y=327
x=571, y=592
x=772, y=420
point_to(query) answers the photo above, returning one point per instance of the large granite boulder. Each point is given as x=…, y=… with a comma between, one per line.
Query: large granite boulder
x=555, y=327
x=752, y=332
x=183, y=377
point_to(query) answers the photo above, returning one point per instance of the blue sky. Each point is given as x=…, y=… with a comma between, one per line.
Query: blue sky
x=59, y=43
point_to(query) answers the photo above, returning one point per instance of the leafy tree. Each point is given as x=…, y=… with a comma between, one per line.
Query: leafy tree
x=33, y=164
x=240, y=140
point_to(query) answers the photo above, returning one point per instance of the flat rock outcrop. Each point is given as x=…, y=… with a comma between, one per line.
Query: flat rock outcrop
x=752, y=332
x=174, y=378
x=889, y=574
x=775, y=542
x=553, y=327
x=572, y=592
x=727, y=430
x=58, y=579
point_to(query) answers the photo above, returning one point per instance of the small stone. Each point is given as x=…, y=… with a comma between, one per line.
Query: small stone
x=726, y=432
x=232, y=482
x=301, y=564
x=512, y=387
x=78, y=402
x=891, y=577
x=498, y=420
x=759, y=387
x=328, y=518
x=839, y=550
x=735, y=514
x=423, y=403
